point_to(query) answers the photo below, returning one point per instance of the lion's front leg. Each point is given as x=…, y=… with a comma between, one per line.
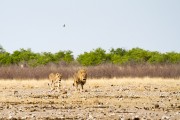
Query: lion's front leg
x=82, y=86
x=59, y=85
x=76, y=84
x=52, y=86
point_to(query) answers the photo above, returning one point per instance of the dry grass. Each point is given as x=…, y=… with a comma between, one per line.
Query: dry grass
x=24, y=84
x=32, y=83
x=102, y=99
x=139, y=83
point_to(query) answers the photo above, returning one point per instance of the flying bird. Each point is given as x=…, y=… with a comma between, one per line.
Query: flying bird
x=64, y=25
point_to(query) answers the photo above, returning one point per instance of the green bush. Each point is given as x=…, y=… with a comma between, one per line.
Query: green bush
x=5, y=59
x=34, y=59
x=138, y=55
x=95, y=57
x=172, y=57
x=156, y=57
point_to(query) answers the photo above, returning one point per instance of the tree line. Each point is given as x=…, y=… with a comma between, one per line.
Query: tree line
x=94, y=57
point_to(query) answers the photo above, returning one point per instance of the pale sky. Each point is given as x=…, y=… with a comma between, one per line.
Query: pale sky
x=38, y=24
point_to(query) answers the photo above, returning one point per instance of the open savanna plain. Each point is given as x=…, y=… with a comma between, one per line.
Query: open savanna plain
x=118, y=98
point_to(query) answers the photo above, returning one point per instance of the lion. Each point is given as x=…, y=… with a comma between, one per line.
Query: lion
x=80, y=78
x=55, y=79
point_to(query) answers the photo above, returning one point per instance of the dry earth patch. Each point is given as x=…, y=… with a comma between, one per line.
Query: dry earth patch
x=123, y=98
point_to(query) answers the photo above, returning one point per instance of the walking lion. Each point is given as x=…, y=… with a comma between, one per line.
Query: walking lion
x=55, y=80
x=80, y=77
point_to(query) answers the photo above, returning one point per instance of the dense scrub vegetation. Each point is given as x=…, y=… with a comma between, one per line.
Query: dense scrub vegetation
x=99, y=71
x=98, y=62
x=95, y=57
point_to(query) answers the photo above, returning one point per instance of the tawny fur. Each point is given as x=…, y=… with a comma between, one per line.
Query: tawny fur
x=80, y=78
x=55, y=78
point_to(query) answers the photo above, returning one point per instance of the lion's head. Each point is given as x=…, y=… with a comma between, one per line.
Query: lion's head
x=58, y=76
x=82, y=74
x=55, y=77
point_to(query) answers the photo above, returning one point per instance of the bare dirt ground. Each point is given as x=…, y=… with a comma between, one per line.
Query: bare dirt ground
x=107, y=99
